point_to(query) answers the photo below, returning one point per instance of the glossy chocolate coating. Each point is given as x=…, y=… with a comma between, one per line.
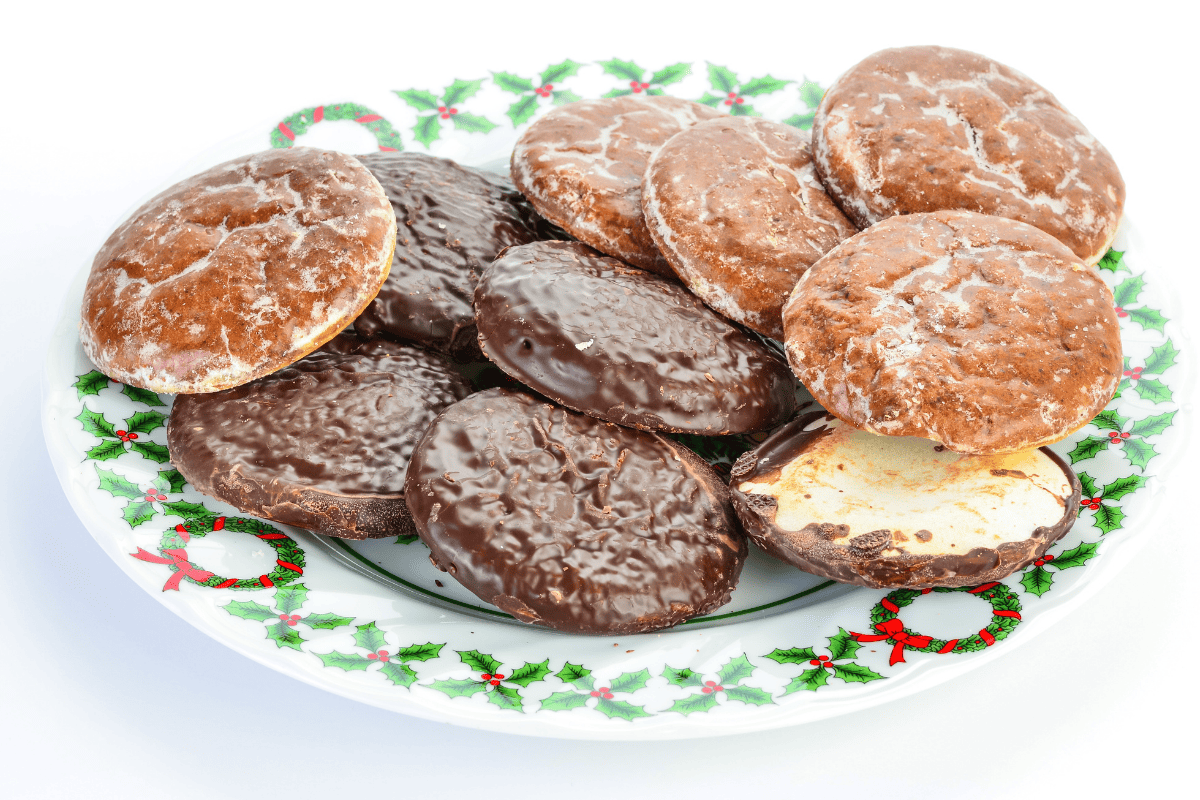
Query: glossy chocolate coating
x=626, y=346
x=322, y=444
x=451, y=222
x=572, y=523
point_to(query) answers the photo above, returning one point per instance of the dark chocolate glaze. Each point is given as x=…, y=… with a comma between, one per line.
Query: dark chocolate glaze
x=624, y=345
x=572, y=523
x=451, y=222
x=322, y=444
x=827, y=549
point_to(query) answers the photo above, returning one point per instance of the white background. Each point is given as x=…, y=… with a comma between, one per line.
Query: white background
x=104, y=693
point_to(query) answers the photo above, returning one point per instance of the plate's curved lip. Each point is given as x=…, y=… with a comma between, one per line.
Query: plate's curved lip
x=916, y=677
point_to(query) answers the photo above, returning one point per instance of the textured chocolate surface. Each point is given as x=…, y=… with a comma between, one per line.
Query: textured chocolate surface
x=886, y=557
x=982, y=333
x=238, y=271
x=451, y=223
x=735, y=207
x=927, y=128
x=624, y=345
x=572, y=523
x=582, y=165
x=322, y=444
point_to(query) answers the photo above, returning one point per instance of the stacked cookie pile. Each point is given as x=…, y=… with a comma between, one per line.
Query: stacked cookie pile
x=315, y=311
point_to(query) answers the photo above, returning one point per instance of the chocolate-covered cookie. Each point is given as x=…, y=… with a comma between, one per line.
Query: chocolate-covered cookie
x=582, y=164
x=624, y=345
x=572, y=523
x=237, y=271
x=322, y=444
x=916, y=129
x=983, y=333
x=736, y=208
x=899, y=512
x=451, y=223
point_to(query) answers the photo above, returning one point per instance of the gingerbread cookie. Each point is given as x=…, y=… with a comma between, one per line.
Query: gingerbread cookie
x=927, y=128
x=982, y=333
x=238, y=271
x=735, y=207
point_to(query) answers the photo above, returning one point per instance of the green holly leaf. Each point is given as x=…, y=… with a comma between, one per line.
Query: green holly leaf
x=137, y=513
x=419, y=652
x=480, y=662
x=855, y=673
x=1108, y=518
x=710, y=99
x=1151, y=426
x=458, y=687
x=1110, y=420
x=428, y=129
x=512, y=83
x=559, y=72
x=671, y=74
x=472, y=123
x=520, y=111
x=108, y=449
x=1153, y=390
x=529, y=673
x=793, y=655
x=117, y=485
x=169, y=480
x=1113, y=261
x=1088, y=483
x=842, y=645
x=1127, y=291
x=1088, y=448
x=722, y=79
x=284, y=635
x=346, y=661
x=1148, y=318
x=185, y=509
x=151, y=451
x=564, y=701
x=91, y=383
x=749, y=695
x=399, y=674
x=626, y=70
x=1123, y=486
x=369, y=637
x=618, y=93
x=564, y=97
x=288, y=599
x=1076, y=556
x=811, y=93
x=1161, y=359
x=145, y=421
x=96, y=424
x=810, y=680
x=419, y=99
x=248, y=609
x=682, y=677
x=1138, y=452
x=459, y=91
x=1037, y=581
x=735, y=671
x=742, y=110
x=629, y=682
x=326, y=622
x=655, y=91
x=505, y=697
x=802, y=121
x=694, y=703
x=144, y=396
x=619, y=709
x=576, y=675
x=407, y=538
x=764, y=85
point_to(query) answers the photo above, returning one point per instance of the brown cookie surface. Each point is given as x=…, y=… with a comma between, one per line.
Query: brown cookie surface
x=982, y=333
x=572, y=523
x=624, y=345
x=916, y=129
x=451, y=223
x=582, y=165
x=899, y=512
x=322, y=444
x=238, y=271
x=735, y=207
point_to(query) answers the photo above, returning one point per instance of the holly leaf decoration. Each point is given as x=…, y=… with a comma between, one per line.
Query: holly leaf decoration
x=117, y=485
x=1108, y=518
x=472, y=123
x=1161, y=358
x=512, y=83
x=626, y=70
x=1088, y=483
x=709, y=99
x=1088, y=448
x=145, y=421
x=139, y=395
x=96, y=424
x=742, y=110
x=1076, y=556
x=284, y=635
x=399, y=674
x=91, y=383
x=151, y=451
x=1148, y=318
x=564, y=701
x=564, y=97
x=1151, y=426
x=619, y=709
x=419, y=99
x=1153, y=390
x=618, y=93
x=735, y=671
x=428, y=129
x=764, y=85
x=722, y=78
x=671, y=74
x=346, y=661
x=137, y=513
x=1037, y=581
x=529, y=673
x=520, y=111
x=419, y=652
x=629, y=682
x=802, y=121
x=186, y=510
x=694, y=703
x=1110, y=420
x=576, y=675
x=457, y=687
x=855, y=673
x=108, y=449
x=169, y=480
x=288, y=599
x=248, y=609
x=749, y=695
x=480, y=662
x=326, y=622
x=682, y=677
x=558, y=72
x=811, y=93
x=842, y=645
x=1127, y=291
x=505, y=697
x=1138, y=452
x=1113, y=261
x=1123, y=486
x=460, y=90
x=810, y=680
x=369, y=637
x=794, y=655
x=407, y=538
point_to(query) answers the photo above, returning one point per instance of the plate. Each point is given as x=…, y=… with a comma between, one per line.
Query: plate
x=375, y=622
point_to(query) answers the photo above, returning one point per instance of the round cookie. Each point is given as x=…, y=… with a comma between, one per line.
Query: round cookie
x=979, y=332
x=735, y=207
x=928, y=128
x=322, y=444
x=624, y=345
x=238, y=271
x=582, y=165
x=889, y=512
x=451, y=223
x=571, y=523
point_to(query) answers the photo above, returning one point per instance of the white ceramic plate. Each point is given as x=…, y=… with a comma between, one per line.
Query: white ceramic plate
x=375, y=622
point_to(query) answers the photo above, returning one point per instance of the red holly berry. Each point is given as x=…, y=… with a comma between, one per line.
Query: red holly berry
x=445, y=116
x=1121, y=312
x=498, y=676
x=454, y=111
x=1048, y=558
x=644, y=86
x=732, y=95
x=372, y=656
x=1094, y=506
x=1125, y=435
x=815, y=663
x=1039, y=563
x=549, y=87
x=121, y=433
x=486, y=676
x=728, y=102
x=740, y=100
x=633, y=85
x=441, y=109
x=823, y=658
x=494, y=682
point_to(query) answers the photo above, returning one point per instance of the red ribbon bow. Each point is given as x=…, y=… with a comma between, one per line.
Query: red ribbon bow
x=894, y=629
x=177, y=558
